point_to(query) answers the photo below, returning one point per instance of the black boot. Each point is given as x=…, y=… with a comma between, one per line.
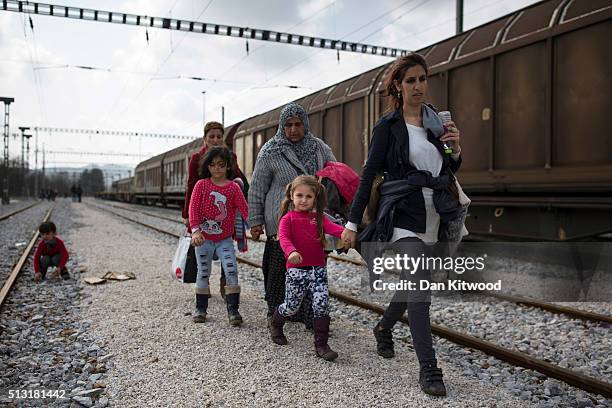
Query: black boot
x=430, y=380
x=276, y=329
x=233, y=301
x=384, y=342
x=321, y=335
x=199, y=314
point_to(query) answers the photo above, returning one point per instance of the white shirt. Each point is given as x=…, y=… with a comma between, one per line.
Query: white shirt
x=423, y=156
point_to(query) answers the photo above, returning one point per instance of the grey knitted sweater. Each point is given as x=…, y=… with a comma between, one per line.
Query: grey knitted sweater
x=275, y=167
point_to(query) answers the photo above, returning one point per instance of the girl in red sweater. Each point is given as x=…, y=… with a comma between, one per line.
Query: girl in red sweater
x=212, y=214
x=301, y=233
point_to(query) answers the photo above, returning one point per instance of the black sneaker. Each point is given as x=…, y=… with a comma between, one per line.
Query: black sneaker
x=384, y=342
x=430, y=380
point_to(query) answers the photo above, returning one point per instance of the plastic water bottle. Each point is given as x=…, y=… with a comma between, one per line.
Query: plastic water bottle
x=446, y=118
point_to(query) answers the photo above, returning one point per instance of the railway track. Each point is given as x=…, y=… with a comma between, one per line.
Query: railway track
x=570, y=377
x=550, y=307
x=8, y=284
x=9, y=215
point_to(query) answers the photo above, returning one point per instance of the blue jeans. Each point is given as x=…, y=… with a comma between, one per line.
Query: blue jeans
x=225, y=251
x=300, y=280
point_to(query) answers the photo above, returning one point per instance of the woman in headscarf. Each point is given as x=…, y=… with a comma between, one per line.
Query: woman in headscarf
x=293, y=151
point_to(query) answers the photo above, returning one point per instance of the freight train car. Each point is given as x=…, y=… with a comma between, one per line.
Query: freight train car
x=530, y=92
x=123, y=189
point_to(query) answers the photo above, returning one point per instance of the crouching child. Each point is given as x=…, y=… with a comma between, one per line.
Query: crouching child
x=50, y=251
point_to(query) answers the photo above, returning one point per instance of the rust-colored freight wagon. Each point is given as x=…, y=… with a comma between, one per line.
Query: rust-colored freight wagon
x=530, y=92
x=123, y=189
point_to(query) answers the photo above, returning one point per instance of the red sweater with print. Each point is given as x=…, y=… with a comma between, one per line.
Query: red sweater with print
x=193, y=175
x=50, y=250
x=212, y=209
x=297, y=231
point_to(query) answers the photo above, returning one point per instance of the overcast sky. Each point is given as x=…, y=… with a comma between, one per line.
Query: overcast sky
x=139, y=94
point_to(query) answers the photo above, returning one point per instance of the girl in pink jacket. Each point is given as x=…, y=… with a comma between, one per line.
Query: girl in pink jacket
x=301, y=233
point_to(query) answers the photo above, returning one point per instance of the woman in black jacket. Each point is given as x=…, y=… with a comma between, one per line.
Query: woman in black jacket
x=408, y=145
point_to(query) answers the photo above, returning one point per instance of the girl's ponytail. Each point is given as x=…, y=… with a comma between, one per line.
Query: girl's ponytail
x=286, y=203
x=320, y=204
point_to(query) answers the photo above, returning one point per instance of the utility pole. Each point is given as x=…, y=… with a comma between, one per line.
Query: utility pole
x=43, y=166
x=5, y=182
x=223, y=115
x=24, y=187
x=459, y=12
x=36, y=193
x=28, y=161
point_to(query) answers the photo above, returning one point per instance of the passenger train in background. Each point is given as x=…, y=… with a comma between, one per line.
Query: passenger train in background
x=531, y=93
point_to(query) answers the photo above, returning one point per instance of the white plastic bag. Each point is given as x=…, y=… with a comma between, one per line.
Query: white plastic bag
x=180, y=258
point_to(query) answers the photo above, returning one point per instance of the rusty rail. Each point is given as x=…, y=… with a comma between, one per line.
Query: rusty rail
x=8, y=284
x=5, y=216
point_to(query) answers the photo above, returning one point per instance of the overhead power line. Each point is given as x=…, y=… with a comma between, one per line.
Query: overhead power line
x=197, y=27
x=52, y=162
x=112, y=133
x=93, y=153
x=151, y=75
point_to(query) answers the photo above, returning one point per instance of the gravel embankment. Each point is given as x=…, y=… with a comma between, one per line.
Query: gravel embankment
x=15, y=204
x=163, y=359
x=45, y=343
x=578, y=345
x=574, y=344
x=16, y=233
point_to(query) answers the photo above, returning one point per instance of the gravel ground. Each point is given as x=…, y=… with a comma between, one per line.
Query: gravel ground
x=578, y=345
x=604, y=308
x=15, y=204
x=45, y=344
x=575, y=344
x=16, y=234
x=163, y=359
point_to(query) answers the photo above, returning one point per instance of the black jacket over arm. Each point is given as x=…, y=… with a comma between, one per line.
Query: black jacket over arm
x=389, y=154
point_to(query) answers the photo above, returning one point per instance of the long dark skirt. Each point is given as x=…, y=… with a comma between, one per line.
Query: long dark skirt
x=274, y=271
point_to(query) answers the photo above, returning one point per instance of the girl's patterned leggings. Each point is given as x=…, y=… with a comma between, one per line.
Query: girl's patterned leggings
x=302, y=279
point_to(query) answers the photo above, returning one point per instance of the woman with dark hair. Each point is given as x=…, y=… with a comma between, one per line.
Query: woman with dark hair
x=408, y=147
x=213, y=136
x=293, y=151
